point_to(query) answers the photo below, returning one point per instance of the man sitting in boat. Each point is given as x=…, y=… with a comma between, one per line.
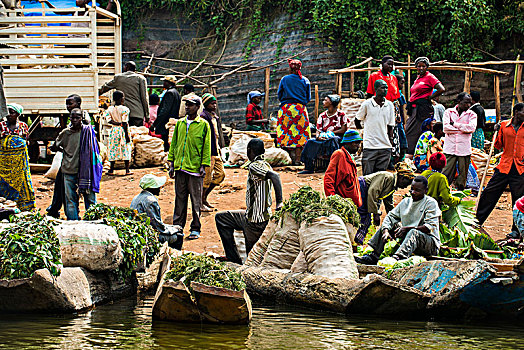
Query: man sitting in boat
x=414, y=222
x=254, y=219
x=146, y=202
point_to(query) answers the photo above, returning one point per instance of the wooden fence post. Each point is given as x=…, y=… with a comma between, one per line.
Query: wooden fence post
x=352, y=84
x=467, y=81
x=316, y=103
x=519, y=80
x=496, y=85
x=266, y=99
x=408, y=89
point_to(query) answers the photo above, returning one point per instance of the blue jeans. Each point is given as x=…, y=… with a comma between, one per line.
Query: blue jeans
x=72, y=197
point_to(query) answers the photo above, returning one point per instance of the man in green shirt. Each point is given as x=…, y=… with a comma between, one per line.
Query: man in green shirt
x=438, y=186
x=189, y=154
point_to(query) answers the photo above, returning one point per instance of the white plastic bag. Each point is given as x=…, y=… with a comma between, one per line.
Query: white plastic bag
x=55, y=166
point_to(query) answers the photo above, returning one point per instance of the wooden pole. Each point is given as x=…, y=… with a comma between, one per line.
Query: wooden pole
x=467, y=81
x=316, y=103
x=352, y=84
x=487, y=166
x=514, y=97
x=496, y=87
x=408, y=89
x=221, y=141
x=369, y=66
x=339, y=86
x=519, y=81
x=266, y=99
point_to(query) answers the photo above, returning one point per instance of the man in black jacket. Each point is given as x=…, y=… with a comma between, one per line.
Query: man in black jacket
x=168, y=108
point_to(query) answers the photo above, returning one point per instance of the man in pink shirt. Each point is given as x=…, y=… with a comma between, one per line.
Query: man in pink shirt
x=459, y=124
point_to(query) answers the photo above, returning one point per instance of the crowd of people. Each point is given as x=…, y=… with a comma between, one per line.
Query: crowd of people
x=433, y=141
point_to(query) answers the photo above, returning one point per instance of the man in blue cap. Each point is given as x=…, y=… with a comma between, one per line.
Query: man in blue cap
x=341, y=175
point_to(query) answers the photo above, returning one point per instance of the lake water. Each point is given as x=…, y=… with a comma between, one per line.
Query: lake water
x=127, y=325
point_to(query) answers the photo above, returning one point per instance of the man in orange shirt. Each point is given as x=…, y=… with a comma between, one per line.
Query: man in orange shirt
x=341, y=175
x=510, y=171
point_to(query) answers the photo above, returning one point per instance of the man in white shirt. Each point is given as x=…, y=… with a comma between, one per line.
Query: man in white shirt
x=377, y=116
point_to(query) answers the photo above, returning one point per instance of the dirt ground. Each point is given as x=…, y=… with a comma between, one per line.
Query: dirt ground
x=119, y=190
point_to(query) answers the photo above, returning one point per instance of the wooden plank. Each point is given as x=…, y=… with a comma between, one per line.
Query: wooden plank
x=51, y=93
x=46, y=51
x=266, y=90
x=452, y=68
x=37, y=40
x=45, y=62
x=339, y=86
x=45, y=30
x=352, y=83
x=105, y=30
x=106, y=40
x=496, y=83
x=43, y=19
x=44, y=10
x=36, y=73
x=42, y=83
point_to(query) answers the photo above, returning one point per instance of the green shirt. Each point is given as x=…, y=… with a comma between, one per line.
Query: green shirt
x=191, y=145
x=438, y=188
x=381, y=186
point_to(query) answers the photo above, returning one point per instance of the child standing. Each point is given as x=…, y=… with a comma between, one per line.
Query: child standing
x=118, y=146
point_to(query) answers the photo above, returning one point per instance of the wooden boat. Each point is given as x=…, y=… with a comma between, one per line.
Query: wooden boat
x=438, y=288
x=174, y=302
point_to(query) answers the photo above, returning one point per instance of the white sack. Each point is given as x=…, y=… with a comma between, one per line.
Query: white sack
x=256, y=255
x=277, y=156
x=55, y=166
x=284, y=247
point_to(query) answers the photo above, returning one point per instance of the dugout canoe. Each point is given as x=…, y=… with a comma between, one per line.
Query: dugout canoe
x=455, y=289
x=174, y=302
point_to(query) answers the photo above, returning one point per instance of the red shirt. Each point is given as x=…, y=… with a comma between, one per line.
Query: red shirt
x=253, y=112
x=21, y=129
x=512, y=144
x=331, y=123
x=341, y=177
x=423, y=86
x=390, y=79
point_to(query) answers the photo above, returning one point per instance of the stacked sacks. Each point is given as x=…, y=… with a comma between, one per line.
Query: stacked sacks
x=310, y=234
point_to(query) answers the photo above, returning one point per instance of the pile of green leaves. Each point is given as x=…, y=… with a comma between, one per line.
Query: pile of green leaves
x=137, y=236
x=459, y=235
x=203, y=269
x=343, y=207
x=29, y=245
x=297, y=202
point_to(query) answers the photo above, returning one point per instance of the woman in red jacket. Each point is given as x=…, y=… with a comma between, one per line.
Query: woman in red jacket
x=341, y=175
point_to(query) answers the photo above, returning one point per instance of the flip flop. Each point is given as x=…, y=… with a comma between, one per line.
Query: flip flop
x=194, y=235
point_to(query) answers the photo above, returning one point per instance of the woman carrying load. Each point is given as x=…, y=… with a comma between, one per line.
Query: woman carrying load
x=15, y=177
x=331, y=126
x=420, y=106
x=294, y=92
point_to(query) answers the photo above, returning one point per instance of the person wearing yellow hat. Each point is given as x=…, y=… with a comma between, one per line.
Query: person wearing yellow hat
x=146, y=202
x=168, y=108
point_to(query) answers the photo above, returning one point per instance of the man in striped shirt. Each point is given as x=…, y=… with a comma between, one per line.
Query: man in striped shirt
x=254, y=219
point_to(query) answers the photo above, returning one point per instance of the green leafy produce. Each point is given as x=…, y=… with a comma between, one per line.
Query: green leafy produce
x=203, y=269
x=137, y=236
x=297, y=202
x=29, y=245
x=345, y=208
x=390, y=248
x=462, y=215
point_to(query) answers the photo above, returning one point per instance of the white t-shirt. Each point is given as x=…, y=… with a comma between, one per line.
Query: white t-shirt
x=375, y=120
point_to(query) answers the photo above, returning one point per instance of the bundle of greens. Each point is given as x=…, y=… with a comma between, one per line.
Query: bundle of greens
x=137, y=236
x=203, y=269
x=29, y=245
x=342, y=207
x=297, y=202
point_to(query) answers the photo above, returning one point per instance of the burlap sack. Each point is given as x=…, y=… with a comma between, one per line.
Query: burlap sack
x=256, y=255
x=300, y=264
x=149, y=151
x=284, y=247
x=93, y=246
x=327, y=248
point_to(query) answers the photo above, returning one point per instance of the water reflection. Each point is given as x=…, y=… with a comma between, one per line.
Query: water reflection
x=127, y=325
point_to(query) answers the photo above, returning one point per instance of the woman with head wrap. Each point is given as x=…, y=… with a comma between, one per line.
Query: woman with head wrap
x=331, y=126
x=438, y=186
x=420, y=105
x=254, y=119
x=215, y=174
x=428, y=143
x=294, y=92
x=15, y=177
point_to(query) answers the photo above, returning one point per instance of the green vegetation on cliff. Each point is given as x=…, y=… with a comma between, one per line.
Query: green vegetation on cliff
x=456, y=30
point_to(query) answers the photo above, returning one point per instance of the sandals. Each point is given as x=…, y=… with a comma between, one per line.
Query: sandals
x=194, y=235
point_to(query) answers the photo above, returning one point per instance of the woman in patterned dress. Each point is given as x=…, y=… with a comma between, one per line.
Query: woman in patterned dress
x=119, y=147
x=294, y=92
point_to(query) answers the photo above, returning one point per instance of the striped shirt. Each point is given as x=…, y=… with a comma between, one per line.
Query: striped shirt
x=258, y=194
